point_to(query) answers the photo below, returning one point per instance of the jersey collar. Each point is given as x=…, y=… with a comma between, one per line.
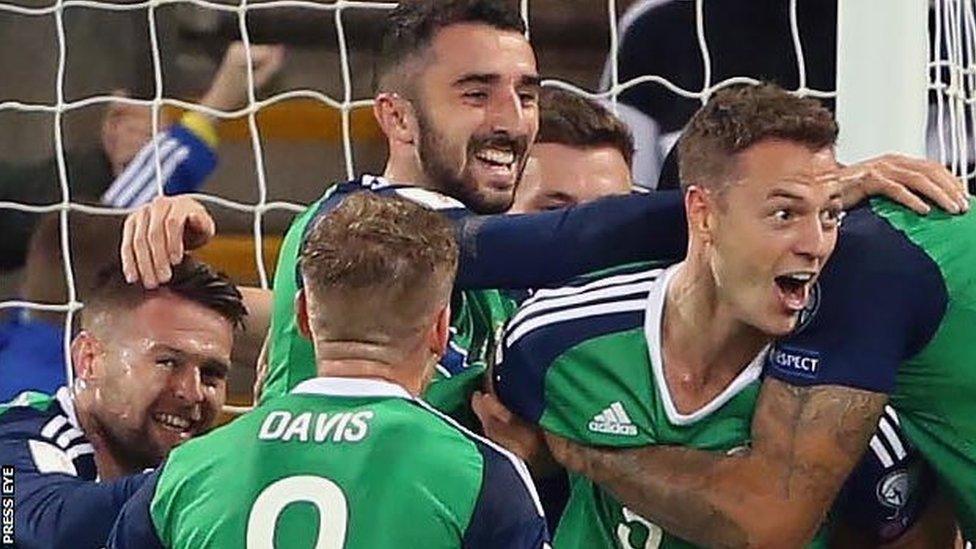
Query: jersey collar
x=350, y=387
x=653, y=322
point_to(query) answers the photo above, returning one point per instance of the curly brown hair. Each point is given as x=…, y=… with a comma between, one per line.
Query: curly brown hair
x=740, y=116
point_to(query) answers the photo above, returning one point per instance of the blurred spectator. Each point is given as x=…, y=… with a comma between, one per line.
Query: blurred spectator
x=127, y=156
x=32, y=341
x=744, y=38
x=582, y=152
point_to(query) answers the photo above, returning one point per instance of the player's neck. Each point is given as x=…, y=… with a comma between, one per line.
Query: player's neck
x=357, y=360
x=406, y=172
x=703, y=345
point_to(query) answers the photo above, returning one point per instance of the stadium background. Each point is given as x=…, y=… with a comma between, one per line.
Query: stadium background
x=312, y=125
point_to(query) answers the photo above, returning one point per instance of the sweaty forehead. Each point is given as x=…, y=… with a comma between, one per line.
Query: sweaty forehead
x=775, y=160
x=169, y=320
x=476, y=48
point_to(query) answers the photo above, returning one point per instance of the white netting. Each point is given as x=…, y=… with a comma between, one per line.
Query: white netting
x=957, y=91
x=953, y=82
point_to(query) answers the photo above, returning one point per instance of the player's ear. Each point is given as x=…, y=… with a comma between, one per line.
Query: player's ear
x=395, y=116
x=84, y=351
x=301, y=314
x=699, y=206
x=440, y=332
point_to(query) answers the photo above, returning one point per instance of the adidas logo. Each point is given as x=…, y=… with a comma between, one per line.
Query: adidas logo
x=613, y=421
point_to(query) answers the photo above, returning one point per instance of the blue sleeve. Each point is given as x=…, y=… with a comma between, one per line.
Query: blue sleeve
x=879, y=301
x=890, y=489
x=134, y=527
x=55, y=510
x=185, y=162
x=508, y=513
x=542, y=249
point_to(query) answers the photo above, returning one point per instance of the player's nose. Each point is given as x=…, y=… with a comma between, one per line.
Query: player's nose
x=188, y=385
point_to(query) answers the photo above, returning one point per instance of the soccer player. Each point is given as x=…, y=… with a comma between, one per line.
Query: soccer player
x=366, y=463
x=150, y=373
x=582, y=152
x=888, y=316
x=456, y=96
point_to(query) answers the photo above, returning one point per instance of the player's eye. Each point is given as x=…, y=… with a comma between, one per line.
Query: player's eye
x=476, y=95
x=528, y=98
x=832, y=217
x=166, y=362
x=784, y=215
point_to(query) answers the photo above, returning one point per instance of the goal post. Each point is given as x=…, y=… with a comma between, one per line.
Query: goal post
x=882, y=77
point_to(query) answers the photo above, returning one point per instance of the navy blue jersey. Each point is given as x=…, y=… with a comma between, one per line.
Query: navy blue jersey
x=58, y=501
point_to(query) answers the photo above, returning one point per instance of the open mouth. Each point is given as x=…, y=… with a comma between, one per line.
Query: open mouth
x=794, y=289
x=177, y=424
x=497, y=159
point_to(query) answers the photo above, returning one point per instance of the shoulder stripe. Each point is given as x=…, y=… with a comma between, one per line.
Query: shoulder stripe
x=607, y=294
x=893, y=440
x=69, y=436
x=543, y=294
x=517, y=463
x=52, y=427
x=573, y=314
x=890, y=412
x=881, y=452
x=80, y=449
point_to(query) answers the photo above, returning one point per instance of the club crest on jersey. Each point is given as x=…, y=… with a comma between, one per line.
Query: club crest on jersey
x=810, y=310
x=795, y=362
x=893, y=490
x=613, y=420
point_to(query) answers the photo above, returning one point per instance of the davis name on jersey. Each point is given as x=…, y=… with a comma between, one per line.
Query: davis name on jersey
x=395, y=473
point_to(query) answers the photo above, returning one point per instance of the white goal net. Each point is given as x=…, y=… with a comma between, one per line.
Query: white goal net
x=948, y=76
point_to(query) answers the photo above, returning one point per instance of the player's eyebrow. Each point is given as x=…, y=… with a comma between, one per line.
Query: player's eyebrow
x=222, y=366
x=530, y=80
x=783, y=193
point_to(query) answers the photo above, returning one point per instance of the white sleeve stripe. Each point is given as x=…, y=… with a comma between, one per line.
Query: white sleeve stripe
x=603, y=294
x=52, y=427
x=879, y=450
x=891, y=413
x=573, y=314
x=616, y=280
x=893, y=439
x=516, y=462
x=168, y=168
x=144, y=177
x=68, y=436
x=136, y=165
x=80, y=449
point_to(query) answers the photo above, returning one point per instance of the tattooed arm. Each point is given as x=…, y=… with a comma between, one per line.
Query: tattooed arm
x=805, y=442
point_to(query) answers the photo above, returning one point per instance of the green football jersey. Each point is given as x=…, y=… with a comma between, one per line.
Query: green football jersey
x=476, y=316
x=338, y=462
x=584, y=361
x=897, y=315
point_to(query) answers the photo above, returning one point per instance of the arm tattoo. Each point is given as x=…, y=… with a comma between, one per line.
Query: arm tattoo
x=806, y=440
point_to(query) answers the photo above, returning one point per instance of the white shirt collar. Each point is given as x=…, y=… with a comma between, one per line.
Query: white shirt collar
x=653, y=323
x=350, y=387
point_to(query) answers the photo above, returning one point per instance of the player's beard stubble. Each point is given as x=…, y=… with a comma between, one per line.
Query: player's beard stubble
x=459, y=182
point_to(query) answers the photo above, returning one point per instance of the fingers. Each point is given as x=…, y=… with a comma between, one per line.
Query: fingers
x=902, y=195
x=930, y=179
x=156, y=236
x=141, y=249
x=267, y=62
x=127, y=249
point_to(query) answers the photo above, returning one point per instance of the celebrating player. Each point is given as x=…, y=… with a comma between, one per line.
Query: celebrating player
x=151, y=369
x=456, y=96
x=379, y=467
x=890, y=263
x=582, y=152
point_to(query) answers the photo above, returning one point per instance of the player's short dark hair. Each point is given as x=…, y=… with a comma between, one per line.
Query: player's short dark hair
x=192, y=280
x=740, y=116
x=375, y=266
x=413, y=24
x=567, y=118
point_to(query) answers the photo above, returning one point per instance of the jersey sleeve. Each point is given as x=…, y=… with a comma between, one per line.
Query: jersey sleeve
x=134, y=528
x=879, y=301
x=890, y=489
x=53, y=506
x=543, y=249
x=186, y=159
x=508, y=512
